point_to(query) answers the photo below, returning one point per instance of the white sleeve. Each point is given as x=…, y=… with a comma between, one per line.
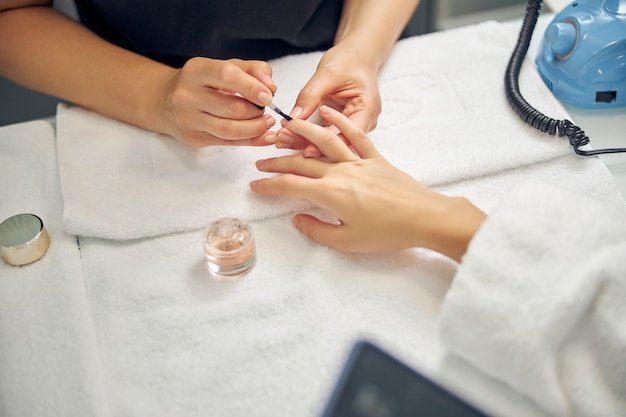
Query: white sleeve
x=539, y=301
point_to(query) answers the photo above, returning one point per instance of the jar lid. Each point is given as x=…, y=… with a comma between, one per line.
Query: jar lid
x=23, y=239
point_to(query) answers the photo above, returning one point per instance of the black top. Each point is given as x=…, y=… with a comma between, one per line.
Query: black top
x=172, y=31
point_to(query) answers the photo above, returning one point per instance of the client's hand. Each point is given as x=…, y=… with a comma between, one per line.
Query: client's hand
x=379, y=208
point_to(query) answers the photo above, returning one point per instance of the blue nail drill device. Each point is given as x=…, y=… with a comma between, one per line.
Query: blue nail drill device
x=583, y=58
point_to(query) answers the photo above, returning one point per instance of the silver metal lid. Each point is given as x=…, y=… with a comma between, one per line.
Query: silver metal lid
x=23, y=239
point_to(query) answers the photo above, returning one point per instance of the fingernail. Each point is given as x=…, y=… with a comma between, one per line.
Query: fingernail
x=297, y=111
x=268, y=79
x=284, y=139
x=264, y=98
x=296, y=222
x=311, y=153
x=270, y=138
x=270, y=121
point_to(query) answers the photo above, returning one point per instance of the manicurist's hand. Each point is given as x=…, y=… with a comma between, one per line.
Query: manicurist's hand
x=346, y=77
x=344, y=81
x=218, y=102
x=379, y=208
x=207, y=102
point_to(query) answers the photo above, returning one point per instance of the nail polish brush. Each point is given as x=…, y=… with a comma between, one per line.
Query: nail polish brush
x=279, y=111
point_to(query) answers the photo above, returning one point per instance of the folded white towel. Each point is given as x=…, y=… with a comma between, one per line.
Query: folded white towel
x=49, y=361
x=445, y=118
x=445, y=115
x=121, y=182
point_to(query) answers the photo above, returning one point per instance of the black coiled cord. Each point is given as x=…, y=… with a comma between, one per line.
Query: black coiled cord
x=528, y=113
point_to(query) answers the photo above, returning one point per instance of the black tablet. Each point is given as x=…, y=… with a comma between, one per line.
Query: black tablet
x=375, y=384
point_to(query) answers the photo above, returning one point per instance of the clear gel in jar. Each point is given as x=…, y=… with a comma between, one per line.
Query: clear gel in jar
x=229, y=248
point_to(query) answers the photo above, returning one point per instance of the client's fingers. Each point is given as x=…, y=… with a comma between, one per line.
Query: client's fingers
x=287, y=184
x=329, y=144
x=352, y=132
x=318, y=231
x=293, y=164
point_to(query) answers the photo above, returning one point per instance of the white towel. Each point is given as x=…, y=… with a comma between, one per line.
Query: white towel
x=175, y=340
x=445, y=115
x=49, y=361
x=121, y=182
x=171, y=340
x=445, y=118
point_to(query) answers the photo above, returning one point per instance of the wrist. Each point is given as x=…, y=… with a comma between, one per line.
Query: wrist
x=374, y=26
x=154, y=108
x=370, y=50
x=450, y=230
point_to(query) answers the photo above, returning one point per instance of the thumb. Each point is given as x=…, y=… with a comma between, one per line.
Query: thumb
x=310, y=97
x=317, y=230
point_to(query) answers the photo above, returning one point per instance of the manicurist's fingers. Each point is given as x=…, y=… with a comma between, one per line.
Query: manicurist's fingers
x=204, y=139
x=311, y=96
x=262, y=71
x=234, y=129
x=229, y=76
